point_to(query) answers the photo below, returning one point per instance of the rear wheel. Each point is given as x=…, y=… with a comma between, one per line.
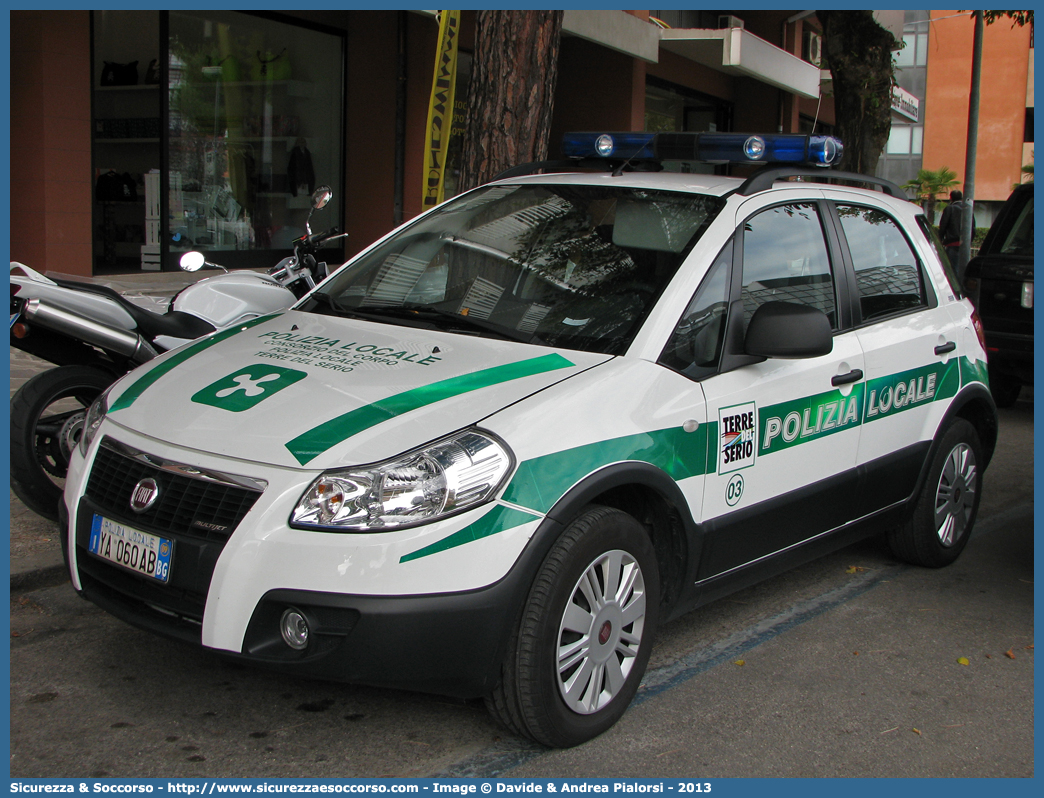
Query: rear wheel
x=585, y=635
x=47, y=415
x=942, y=520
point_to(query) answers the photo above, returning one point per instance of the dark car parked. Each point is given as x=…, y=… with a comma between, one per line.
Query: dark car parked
x=999, y=281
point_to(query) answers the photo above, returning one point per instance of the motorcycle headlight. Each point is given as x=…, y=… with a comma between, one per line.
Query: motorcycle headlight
x=95, y=413
x=443, y=478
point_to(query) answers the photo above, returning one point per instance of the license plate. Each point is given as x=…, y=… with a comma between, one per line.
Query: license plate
x=142, y=552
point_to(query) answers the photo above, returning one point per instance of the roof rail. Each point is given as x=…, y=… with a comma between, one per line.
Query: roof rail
x=763, y=179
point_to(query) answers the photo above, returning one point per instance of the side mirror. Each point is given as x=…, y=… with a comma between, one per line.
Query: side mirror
x=192, y=261
x=321, y=197
x=788, y=330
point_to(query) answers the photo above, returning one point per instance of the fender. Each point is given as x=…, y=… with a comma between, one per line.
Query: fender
x=975, y=403
x=678, y=550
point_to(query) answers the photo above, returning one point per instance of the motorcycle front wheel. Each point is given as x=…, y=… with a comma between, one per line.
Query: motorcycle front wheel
x=47, y=415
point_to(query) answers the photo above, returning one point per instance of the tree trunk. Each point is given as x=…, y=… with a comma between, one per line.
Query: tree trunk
x=859, y=54
x=511, y=94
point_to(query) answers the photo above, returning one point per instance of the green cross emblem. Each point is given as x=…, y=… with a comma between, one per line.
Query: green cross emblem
x=245, y=388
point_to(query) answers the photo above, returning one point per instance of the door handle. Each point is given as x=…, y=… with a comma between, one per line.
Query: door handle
x=943, y=349
x=855, y=375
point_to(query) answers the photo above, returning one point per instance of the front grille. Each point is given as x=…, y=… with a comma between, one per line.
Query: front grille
x=186, y=505
x=196, y=510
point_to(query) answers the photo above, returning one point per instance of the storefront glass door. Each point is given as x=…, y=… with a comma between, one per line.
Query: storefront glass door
x=255, y=123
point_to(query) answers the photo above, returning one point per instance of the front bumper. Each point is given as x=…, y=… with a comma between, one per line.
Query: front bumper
x=449, y=644
x=378, y=613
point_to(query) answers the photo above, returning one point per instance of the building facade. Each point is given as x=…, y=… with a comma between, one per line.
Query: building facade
x=138, y=134
x=931, y=131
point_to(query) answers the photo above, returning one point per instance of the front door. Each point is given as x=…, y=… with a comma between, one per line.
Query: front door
x=787, y=430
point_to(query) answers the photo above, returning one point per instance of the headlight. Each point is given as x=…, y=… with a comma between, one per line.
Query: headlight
x=443, y=478
x=95, y=413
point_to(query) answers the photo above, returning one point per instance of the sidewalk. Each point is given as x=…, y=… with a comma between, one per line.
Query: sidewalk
x=36, y=552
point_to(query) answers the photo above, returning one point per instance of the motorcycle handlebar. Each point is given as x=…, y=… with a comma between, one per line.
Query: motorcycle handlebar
x=314, y=240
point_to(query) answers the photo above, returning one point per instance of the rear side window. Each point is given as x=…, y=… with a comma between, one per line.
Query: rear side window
x=944, y=258
x=888, y=276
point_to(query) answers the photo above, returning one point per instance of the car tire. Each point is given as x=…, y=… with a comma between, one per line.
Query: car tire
x=942, y=520
x=596, y=598
x=1005, y=389
x=47, y=415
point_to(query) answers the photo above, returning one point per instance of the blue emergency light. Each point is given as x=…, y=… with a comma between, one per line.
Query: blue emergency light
x=740, y=148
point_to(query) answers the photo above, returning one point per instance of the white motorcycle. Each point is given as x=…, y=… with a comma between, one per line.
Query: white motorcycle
x=94, y=335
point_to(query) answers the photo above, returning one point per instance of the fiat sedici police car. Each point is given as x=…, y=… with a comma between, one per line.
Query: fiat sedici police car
x=492, y=453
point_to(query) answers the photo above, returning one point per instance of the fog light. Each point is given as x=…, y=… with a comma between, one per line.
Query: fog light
x=294, y=628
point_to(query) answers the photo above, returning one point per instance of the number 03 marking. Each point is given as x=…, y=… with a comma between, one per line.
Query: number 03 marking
x=734, y=490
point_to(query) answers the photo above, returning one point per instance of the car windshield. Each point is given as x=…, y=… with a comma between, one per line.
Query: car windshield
x=571, y=266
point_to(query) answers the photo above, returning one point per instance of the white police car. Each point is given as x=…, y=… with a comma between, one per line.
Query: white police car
x=490, y=454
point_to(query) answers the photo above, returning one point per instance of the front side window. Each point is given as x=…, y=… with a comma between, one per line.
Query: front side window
x=695, y=345
x=888, y=277
x=571, y=266
x=785, y=259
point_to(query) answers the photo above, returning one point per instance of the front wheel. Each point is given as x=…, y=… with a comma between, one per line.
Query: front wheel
x=47, y=415
x=585, y=635
x=942, y=519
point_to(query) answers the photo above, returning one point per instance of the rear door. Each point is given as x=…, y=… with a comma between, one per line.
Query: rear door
x=910, y=345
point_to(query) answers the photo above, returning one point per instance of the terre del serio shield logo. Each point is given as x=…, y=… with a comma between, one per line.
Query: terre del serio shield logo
x=738, y=426
x=247, y=387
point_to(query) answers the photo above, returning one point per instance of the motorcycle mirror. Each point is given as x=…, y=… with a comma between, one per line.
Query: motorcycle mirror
x=321, y=197
x=192, y=261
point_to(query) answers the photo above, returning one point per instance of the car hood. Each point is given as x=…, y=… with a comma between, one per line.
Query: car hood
x=301, y=390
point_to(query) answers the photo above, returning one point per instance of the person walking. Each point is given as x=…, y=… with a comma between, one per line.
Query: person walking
x=950, y=226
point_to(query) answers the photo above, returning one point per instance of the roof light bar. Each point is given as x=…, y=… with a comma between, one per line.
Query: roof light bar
x=749, y=148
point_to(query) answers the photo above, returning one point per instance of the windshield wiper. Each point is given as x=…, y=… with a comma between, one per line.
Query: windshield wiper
x=442, y=319
x=328, y=305
x=419, y=315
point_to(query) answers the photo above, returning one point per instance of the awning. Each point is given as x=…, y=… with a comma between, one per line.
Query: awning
x=736, y=51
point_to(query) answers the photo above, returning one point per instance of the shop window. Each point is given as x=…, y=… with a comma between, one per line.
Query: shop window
x=126, y=137
x=255, y=124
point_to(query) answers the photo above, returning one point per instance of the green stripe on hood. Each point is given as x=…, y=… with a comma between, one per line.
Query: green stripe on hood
x=145, y=381
x=311, y=444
